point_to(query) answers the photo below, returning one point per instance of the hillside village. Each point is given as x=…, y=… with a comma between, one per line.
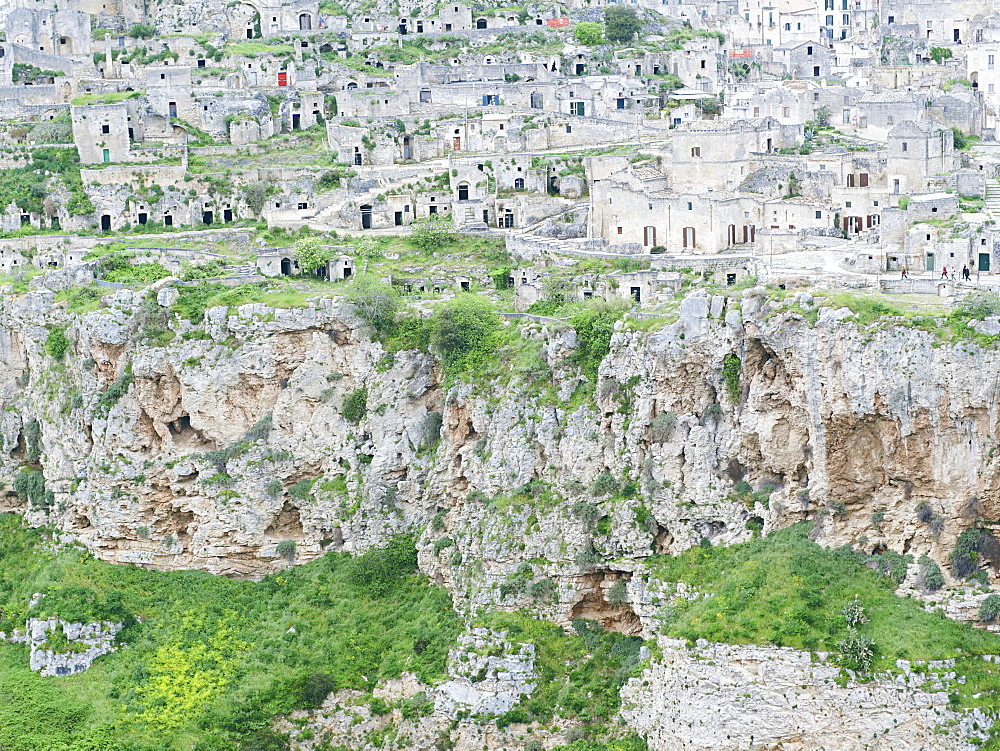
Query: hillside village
x=848, y=142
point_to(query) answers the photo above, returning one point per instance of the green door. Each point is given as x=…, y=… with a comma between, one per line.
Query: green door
x=984, y=261
x=930, y=261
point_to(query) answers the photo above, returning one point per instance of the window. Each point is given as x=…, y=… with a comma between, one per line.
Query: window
x=619, y=230
x=788, y=27
x=875, y=203
x=847, y=204
x=809, y=50
x=850, y=181
x=756, y=111
x=703, y=65
x=784, y=111
x=990, y=89
x=816, y=71
x=816, y=97
x=696, y=151
x=847, y=20
x=892, y=19
x=690, y=206
x=863, y=180
x=105, y=129
x=829, y=20
x=847, y=117
x=989, y=61
x=905, y=146
x=819, y=214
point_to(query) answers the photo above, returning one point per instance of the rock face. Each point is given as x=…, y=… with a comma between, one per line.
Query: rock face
x=212, y=449
x=718, y=696
x=85, y=642
x=490, y=676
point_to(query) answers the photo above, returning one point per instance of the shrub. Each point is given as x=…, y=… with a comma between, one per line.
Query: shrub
x=381, y=570
x=854, y=614
x=877, y=518
x=142, y=31
x=605, y=484
x=589, y=34
x=57, y=343
x=979, y=304
x=971, y=547
x=924, y=513
x=858, y=651
x=931, y=575
x=617, y=594
x=315, y=688
x=286, y=550
x=594, y=328
x=732, y=370
x=300, y=490
x=29, y=485
x=114, y=392
x=355, y=405
x=989, y=611
x=662, y=426
x=542, y=589
x=432, y=234
x=442, y=544
x=465, y=332
x=33, y=441
x=940, y=54
x=743, y=488
x=587, y=513
x=432, y=431
x=375, y=302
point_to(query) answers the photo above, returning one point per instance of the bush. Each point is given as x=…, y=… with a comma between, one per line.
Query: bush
x=432, y=431
x=375, y=302
x=355, y=405
x=57, y=343
x=114, y=392
x=465, y=332
x=587, y=513
x=858, y=651
x=589, y=34
x=594, y=328
x=989, y=611
x=732, y=370
x=973, y=545
x=662, y=426
x=854, y=614
x=33, y=441
x=542, y=589
x=979, y=304
x=605, y=484
x=275, y=488
x=931, y=575
x=617, y=594
x=924, y=513
x=142, y=31
x=286, y=550
x=432, y=234
x=315, y=688
x=29, y=485
x=380, y=571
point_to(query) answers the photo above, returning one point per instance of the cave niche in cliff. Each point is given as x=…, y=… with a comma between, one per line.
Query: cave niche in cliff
x=187, y=437
x=594, y=606
x=663, y=540
x=287, y=525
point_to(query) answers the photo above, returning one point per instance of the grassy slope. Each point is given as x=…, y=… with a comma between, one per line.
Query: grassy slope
x=212, y=658
x=787, y=590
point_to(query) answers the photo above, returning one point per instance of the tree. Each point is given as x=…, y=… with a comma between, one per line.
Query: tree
x=621, y=24
x=940, y=54
x=590, y=34
x=959, y=139
x=465, y=332
x=367, y=248
x=310, y=254
x=255, y=194
x=375, y=302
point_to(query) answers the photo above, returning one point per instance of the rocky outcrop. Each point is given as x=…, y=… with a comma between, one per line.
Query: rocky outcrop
x=719, y=696
x=81, y=644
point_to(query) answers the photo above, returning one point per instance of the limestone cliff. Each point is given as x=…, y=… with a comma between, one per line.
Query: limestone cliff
x=151, y=454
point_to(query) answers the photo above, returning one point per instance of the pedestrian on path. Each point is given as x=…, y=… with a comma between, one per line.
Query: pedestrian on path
x=904, y=273
x=966, y=274
x=944, y=272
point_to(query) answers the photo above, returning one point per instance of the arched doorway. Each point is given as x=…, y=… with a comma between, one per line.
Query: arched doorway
x=286, y=267
x=305, y=22
x=481, y=23
x=463, y=192
x=366, y=217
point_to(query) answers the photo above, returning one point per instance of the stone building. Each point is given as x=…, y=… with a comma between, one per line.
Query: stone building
x=101, y=133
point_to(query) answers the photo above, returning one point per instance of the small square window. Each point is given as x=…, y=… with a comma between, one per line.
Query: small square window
x=819, y=214
x=105, y=129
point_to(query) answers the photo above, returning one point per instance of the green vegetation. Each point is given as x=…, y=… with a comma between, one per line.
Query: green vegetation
x=56, y=343
x=579, y=675
x=621, y=24
x=594, y=328
x=212, y=658
x=29, y=186
x=465, y=333
x=940, y=54
x=732, y=371
x=589, y=34
x=786, y=590
x=355, y=405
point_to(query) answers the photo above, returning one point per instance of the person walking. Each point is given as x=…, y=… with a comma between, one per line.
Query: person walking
x=904, y=276
x=944, y=272
x=966, y=274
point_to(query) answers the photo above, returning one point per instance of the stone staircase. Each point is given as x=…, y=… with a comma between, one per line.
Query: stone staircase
x=993, y=198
